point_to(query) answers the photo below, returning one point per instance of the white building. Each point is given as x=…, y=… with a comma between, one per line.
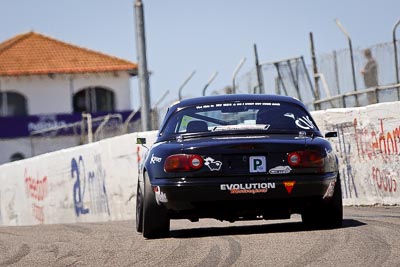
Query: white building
x=47, y=83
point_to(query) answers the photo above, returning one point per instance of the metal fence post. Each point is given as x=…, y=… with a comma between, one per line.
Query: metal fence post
x=351, y=57
x=209, y=82
x=235, y=72
x=315, y=71
x=259, y=73
x=395, y=58
x=336, y=66
x=184, y=83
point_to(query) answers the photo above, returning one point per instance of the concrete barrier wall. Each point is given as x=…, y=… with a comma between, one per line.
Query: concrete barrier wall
x=94, y=182
x=97, y=182
x=368, y=146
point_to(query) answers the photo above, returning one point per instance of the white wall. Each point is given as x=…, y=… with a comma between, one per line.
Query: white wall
x=94, y=182
x=12, y=146
x=119, y=84
x=42, y=189
x=54, y=95
x=35, y=146
x=44, y=95
x=369, y=151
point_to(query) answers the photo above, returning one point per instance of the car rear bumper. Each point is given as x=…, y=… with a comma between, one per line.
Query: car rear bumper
x=213, y=197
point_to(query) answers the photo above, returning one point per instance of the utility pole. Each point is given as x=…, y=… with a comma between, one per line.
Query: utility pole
x=395, y=51
x=259, y=72
x=144, y=88
x=395, y=57
x=315, y=70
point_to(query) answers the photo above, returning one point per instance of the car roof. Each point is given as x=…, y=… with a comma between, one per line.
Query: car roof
x=190, y=102
x=234, y=97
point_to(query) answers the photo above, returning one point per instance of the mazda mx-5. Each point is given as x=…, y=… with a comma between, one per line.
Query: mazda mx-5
x=238, y=157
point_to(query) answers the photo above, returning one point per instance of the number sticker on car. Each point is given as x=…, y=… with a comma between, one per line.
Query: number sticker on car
x=258, y=164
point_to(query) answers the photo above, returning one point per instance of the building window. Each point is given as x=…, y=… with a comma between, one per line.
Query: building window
x=12, y=104
x=17, y=156
x=94, y=99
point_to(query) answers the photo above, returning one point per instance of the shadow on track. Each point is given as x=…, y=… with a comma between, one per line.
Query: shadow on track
x=255, y=229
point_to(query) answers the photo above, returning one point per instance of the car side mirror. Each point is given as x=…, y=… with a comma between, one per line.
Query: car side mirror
x=140, y=141
x=330, y=134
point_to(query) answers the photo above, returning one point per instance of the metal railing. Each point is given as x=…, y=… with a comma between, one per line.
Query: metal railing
x=387, y=93
x=82, y=131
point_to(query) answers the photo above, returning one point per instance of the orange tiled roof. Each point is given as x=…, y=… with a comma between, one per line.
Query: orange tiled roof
x=33, y=53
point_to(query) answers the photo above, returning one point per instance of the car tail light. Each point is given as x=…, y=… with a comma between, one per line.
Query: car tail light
x=306, y=158
x=294, y=159
x=183, y=163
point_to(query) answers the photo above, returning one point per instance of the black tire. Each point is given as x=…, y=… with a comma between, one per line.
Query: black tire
x=327, y=213
x=139, y=209
x=334, y=208
x=155, y=218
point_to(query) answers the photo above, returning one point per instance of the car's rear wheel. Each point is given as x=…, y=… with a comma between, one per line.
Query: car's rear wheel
x=155, y=218
x=139, y=209
x=328, y=213
x=335, y=207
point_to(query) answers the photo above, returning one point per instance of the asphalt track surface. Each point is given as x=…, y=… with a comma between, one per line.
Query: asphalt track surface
x=370, y=236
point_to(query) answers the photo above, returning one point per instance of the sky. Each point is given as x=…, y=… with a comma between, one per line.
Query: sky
x=203, y=36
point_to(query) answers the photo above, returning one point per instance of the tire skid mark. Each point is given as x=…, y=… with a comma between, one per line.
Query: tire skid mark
x=389, y=225
x=71, y=255
x=133, y=243
x=21, y=253
x=369, y=245
x=51, y=248
x=108, y=253
x=235, y=250
x=78, y=229
x=142, y=250
x=212, y=258
x=179, y=253
x=379, y=252
x=3, y=247
x=387, y=250
x=7, y=233
x=168, y=252
x=373, y=241
x=75, y=263
x=317, y=251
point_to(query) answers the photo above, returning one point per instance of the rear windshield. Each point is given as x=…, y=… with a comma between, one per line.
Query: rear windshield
x=239, y=116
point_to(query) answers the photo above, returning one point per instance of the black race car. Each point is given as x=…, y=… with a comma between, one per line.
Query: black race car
x=238, y=157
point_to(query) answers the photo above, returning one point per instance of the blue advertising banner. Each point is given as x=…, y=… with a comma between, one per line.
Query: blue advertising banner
x=22, y=126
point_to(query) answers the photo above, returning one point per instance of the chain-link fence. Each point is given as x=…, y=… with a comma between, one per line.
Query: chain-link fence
x=337, y=84
x=336, y=67
x=286, y=77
